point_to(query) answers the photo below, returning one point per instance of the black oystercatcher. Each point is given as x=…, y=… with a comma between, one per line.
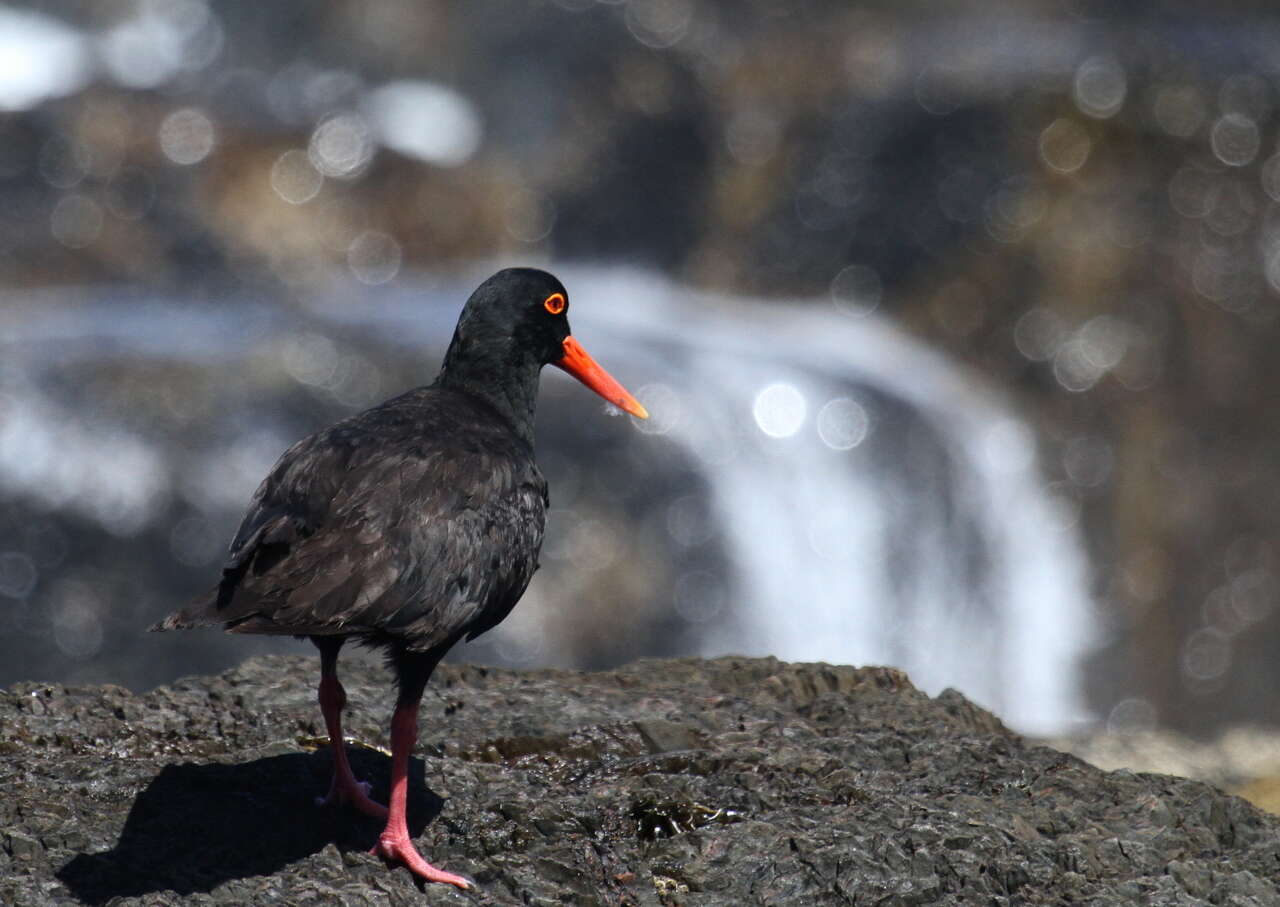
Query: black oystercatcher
x=410, y=525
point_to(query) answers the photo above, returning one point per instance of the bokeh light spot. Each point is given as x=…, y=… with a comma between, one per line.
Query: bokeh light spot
x=1104, y=340
x=659, y=23
x=77, y=620
x=1271, y=177
x=1191, y=191
x=294, y=178
x=780, y=410
x=1206, y=654
x=186, y=136
x=310, y=358
x=341, y=146
x=1254, y=594
x=843, y=424
x=18, y=574
x=1017, y=205
x=1039, y=333
x=374, y=257
x=1099, y=88
x=1074, y=368
x=529, y=216
x=76, y=221
x=856, y=290
x=1131, y=716
x=63, y=163
x=665, y=406
x=1235, y=139
x=1065, y=145
x=699, y=596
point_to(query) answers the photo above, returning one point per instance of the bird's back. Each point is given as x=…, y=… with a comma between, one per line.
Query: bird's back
x=412, y=523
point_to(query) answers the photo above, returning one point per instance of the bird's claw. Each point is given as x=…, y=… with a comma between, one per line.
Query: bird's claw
x=353, y=793
x=399, y=849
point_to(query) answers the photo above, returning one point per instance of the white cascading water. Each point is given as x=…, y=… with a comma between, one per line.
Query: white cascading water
x=942, y=554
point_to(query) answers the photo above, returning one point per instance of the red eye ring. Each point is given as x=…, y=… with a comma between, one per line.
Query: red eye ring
x=555, y=303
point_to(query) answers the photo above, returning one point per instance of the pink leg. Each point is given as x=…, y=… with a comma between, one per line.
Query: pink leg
x=345, y=789
x=394, y=844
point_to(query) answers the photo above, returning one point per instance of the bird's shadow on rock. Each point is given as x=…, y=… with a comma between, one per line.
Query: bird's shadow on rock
x=196, y=826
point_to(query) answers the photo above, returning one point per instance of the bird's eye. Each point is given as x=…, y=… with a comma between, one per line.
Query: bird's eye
x=554, y=303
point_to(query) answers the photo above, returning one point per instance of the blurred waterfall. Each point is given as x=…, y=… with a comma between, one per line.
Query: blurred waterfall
x=811, y=485
x=883, y=506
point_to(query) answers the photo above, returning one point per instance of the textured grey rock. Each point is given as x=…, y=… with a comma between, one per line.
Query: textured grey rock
x=733, y=781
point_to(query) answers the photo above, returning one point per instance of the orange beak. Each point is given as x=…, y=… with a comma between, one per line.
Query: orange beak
x=577, y=363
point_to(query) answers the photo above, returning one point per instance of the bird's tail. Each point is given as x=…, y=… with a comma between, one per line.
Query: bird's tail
x=200, y=612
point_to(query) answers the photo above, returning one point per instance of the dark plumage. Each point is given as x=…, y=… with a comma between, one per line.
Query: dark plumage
x=412, y=524
x=408, y=524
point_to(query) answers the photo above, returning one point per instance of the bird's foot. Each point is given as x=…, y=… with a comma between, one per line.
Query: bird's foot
x=399, y=849
x=350, y=792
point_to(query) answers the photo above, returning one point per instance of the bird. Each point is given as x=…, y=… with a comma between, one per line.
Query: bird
x=409, y=526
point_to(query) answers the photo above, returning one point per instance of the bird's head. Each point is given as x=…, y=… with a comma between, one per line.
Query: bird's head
x=524, y=313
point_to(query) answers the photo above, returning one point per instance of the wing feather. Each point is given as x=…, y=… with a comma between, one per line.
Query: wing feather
x=387, y=527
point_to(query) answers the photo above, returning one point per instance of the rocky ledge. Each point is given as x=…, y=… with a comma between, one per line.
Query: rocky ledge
x=731, y=781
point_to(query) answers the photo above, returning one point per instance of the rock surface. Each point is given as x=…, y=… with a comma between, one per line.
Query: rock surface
x=730, y=781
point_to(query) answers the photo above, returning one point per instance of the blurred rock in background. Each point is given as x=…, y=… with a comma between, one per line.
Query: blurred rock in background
x=1078, y=205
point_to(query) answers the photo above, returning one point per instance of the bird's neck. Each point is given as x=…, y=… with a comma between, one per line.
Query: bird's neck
x=506, y=381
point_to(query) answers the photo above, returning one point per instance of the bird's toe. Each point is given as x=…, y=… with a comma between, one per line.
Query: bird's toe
x=395, y=849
